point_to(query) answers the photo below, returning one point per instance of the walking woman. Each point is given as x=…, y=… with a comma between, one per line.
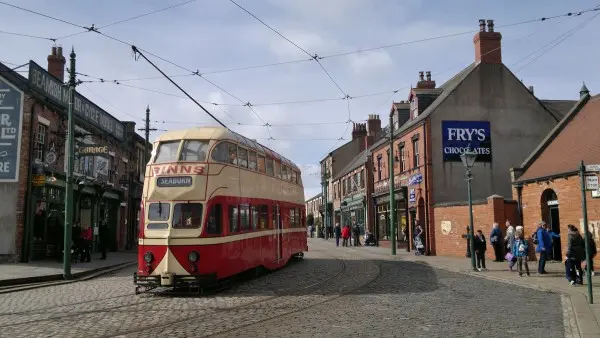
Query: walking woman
x=345, y=235
x=509, y=239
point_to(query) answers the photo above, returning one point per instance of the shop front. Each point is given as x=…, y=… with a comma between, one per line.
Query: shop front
x=353, y=211
x=383, y=228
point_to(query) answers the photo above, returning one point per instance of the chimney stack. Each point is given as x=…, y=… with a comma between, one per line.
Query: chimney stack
x=359, y=130
x=373, y=125
x=530, y=89
x=488, y=43
x=425, y=83
x=56, y=63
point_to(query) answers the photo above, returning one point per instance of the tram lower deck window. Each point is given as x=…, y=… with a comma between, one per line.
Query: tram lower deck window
x=158, y=211
x=187, y=216
x=213, y=224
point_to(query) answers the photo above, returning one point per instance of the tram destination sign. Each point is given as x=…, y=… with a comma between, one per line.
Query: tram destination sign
x=174, y=181
x=44, y=83
x=458, y=136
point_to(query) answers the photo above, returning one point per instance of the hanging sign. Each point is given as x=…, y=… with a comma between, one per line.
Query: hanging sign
x=93, y=150
x=11, y=117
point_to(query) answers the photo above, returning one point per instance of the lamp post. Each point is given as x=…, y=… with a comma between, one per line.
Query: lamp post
x=468, y=160
x=68, y=177
x=325, y=183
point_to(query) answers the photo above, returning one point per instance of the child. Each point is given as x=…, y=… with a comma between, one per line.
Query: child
x=480, y=247
x=520, y=250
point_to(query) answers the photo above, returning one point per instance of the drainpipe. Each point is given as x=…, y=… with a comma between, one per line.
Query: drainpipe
x=427, y=206
x=520, y=202
x=26, y=241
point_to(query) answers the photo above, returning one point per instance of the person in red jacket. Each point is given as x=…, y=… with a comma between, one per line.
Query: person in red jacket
x=86, y=239
x=345, y=235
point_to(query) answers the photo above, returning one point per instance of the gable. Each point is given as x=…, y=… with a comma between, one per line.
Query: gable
x=574, y=140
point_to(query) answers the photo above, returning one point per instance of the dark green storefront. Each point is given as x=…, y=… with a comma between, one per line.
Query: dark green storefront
x=353, y=211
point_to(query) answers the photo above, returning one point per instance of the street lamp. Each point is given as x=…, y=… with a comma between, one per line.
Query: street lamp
x=468, y=160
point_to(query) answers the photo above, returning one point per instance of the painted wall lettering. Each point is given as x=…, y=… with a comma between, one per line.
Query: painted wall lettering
x=458, y=136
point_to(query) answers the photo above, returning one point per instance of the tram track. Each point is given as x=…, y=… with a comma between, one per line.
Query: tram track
x=154, y=298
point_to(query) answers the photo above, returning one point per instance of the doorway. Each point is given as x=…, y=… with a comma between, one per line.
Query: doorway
x=551, y=215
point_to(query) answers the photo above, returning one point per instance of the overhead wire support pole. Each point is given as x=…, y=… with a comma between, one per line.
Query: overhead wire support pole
x=137, y=52
x=69, y=173
x=147, y=131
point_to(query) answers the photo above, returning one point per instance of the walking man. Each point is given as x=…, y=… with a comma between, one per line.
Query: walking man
x=103, y=234
x=495, y=238
x=338, y=234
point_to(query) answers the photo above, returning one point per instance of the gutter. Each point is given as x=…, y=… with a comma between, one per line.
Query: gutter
x=547, y=178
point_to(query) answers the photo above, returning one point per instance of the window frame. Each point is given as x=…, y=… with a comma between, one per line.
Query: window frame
x=270, y=161
x=416, y=153
x=260, y=169
x=205, y=144
x=175, y=157
x=252, y=155
x=198, y=226
x=218, y=208
x=245, y=221
x=242, y=156
x=233, y=227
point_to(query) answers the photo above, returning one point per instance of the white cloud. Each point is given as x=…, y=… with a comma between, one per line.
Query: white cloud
x=371, y=61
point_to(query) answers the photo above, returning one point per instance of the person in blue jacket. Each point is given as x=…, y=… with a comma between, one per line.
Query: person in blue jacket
x=544, y=244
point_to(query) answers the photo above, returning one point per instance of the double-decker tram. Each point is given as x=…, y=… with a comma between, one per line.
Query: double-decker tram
x=216, y=204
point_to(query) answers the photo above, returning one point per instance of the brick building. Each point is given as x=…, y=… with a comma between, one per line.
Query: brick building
x=363, y=135
x=547, y=183
x=106, y=164
x=313, y=206
x=485, y=108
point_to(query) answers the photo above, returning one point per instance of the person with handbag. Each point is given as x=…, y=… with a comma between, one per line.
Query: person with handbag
x=520, y=250
x=510, y=241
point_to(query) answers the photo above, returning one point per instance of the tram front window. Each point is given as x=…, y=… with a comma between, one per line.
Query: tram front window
x=194, y=151
x=187, y=216
x=167, y=152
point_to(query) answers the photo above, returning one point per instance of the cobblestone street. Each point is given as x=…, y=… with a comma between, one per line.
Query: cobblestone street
x=334, y=292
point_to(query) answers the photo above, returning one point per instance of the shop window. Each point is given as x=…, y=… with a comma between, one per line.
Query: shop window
x=270, y=167
x=158, y=211
x=187, y=216
x=261, y=164
x=252, y=160
x=244, y=217
x=242, y=157
x=167, y=152
x=194, y=151
x=213, y=223
x=233, y=219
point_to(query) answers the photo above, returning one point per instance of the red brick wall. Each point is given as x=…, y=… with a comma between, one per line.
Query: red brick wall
x=485, y=214
x=568, y=192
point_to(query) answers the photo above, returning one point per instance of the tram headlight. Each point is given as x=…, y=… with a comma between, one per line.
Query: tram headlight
x=148, y=257
x=193, y=256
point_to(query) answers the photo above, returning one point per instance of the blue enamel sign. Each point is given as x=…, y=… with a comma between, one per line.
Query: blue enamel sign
x=11, y=119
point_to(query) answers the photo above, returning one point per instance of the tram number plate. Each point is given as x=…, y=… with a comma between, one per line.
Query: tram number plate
x=174, y=181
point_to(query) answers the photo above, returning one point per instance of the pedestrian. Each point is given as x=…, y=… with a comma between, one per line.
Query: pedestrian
x=357, y=235
x=480, y=247
x=509, y=239
x=345, y=235
x=575, y=254
x=103, y=236
x=338, y=234
x=495, y=238
x=520, y=250
x=86, y=244
x=542, y=239
x=593, y=250
x=310, y=231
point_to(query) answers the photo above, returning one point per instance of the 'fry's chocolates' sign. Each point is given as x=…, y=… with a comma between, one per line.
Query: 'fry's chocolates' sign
x=459, y=136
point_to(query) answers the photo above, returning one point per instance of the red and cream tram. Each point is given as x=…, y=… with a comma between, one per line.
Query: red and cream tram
x=216, y=204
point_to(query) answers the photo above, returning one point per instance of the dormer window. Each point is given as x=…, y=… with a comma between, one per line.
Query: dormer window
x=414, y=107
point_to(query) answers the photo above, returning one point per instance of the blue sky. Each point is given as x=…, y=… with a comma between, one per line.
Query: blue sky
x=209, y=35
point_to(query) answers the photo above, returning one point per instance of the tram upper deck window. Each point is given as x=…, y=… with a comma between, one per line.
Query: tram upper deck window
x=187, y=216
x=294, y=180
x=167, y=152
x=252, y=160
x=277, y=167
x=194, y=150
x=284, y=172
x=270, y=166
x=242, y=155
x=225, y=152
x=261, y=164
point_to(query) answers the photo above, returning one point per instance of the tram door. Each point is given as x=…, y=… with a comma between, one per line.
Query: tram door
x=278, y=232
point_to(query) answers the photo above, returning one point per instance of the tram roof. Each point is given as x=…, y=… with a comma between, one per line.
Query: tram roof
x=220, y=133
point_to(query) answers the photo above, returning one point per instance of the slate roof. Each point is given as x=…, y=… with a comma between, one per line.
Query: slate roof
x=559, y=108
x=356, y=162
x=447, y=88
x=573, y=140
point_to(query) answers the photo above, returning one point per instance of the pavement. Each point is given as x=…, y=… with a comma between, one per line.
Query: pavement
x=51, y=270
x=332, y=292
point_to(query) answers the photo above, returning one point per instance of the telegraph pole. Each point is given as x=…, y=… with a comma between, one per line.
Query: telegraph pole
x=147, y=130
x=392, y=196
x=69, y=175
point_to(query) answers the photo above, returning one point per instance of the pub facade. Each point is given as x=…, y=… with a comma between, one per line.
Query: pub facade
x=105, y=163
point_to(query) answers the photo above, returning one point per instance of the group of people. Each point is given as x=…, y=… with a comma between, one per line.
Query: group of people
x=346, y=233
x=82, y=239
x=516, y=246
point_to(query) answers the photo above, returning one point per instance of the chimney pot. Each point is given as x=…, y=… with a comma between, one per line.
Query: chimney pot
x=481, y=25
x=421, y=76
x=53, y=51
x=490, y=25
x=428, y=73
x=531, y=89
x=59, y=51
